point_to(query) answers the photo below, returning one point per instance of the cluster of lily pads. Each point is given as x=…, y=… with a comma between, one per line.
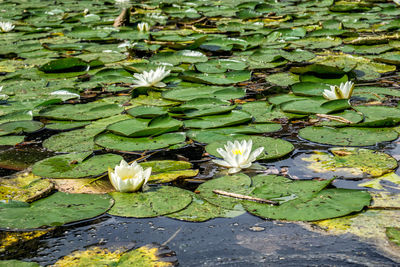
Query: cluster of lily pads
x=176, y=74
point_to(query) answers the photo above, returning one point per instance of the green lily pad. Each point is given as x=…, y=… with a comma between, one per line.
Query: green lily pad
x=347, y=136
x=314, y=106
x=65, y=65
x=200, y=211
x=147, y=111
x=81, y=112
x=144, y=127
x=309, y=89
x=202, y=91
x=378, y=116
x=20, y=127
x=11, y=140
x=217, y=78
x=203, y=107
x=152, y=203
x=283, y=79
x=233, y=118
x=76, y=165
x=393, y=234
x=82, y=139
x=221, y=134
x=121, y=143
x=265, y=112
x=239, y=184
x=351, y=162
x=55, y=210
x=317, y=42
x=309, y=201
x=17, y=263
x=221, y=65
x=65, y=125
x=182, y=56
x=389, y=58
x=273, y=148
x=74, y=141
x=350, y=115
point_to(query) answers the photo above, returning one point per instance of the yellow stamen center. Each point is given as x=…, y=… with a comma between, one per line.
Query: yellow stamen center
x=236, y=151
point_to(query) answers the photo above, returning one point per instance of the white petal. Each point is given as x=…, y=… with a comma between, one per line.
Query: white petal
x=256, y=153
x=234, y=170
x=222, y=163
x=222, y=152
x=329, y=95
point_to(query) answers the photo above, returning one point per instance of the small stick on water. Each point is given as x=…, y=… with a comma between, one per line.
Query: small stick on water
x=334, y=118
x=255, y=199
x=172, y=237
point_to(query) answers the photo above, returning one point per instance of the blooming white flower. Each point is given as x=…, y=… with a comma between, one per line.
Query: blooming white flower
x=64, y=93
x=128, y=178
x=151, y=78
x=344, y=91
x=190, y=53
x=127, y=44
x=143, y=27
x=6, y=26
x=237, y=155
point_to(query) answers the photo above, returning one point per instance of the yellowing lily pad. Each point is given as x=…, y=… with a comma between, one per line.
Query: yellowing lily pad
x=369, y=224
x=377, y=183
x=93, y=256
x=9, y=239
x=24, y=186
x=149, y=255
x=351, y=162
x=165, y=171
x=146, y=256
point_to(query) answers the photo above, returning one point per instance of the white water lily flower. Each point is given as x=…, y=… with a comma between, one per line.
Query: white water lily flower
x=128, y=178
x=143, y=27
x=237, y=155
x=344, y=91
x=189, y=53
x=127, y=44
x=6, y=26
x=151, y=78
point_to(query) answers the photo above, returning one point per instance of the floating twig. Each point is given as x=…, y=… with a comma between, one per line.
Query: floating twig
x=172, y=237
x=239, y=196
x=334, y=118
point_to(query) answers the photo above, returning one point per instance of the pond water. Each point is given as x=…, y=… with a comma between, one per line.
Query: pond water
x=313, y=84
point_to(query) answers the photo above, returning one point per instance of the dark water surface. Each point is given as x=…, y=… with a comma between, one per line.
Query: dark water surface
x=242, y=241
